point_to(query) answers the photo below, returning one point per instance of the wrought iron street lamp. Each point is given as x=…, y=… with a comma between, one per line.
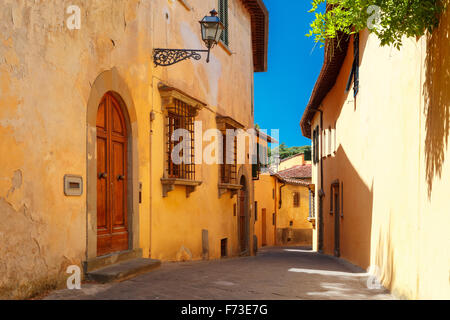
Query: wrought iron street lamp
x=211, y=28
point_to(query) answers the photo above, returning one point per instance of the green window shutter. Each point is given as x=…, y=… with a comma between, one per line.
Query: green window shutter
x=255, y=171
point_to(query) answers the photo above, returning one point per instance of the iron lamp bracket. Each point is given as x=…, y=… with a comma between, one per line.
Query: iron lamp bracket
x=168, y=57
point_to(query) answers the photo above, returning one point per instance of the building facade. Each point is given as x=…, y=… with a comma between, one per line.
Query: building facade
x=282, y=209
x=86, y=121
x=295, y=160
x=379, y=121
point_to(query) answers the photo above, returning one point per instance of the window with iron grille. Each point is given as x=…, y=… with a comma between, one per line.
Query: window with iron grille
x=316, y=135
x=181, y=116
x=223, y=16
x=296, y=199
x=228, y=168
x=354, y=75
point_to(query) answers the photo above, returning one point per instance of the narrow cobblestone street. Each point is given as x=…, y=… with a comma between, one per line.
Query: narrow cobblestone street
x=275, y=273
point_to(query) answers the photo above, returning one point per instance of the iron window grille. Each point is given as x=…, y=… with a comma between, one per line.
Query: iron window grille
x=316, y=136
x=223, y=16
x=228, y=171
x=181, y=116
x=296, y=199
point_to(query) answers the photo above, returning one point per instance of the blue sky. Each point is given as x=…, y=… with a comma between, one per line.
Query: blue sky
x=294, y=63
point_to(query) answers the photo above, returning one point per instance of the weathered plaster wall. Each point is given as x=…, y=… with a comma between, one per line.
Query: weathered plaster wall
x=392, y=157
x=225, y=86
x=266, y=195
x=300, y=232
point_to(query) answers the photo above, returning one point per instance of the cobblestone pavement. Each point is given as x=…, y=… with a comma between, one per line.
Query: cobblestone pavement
x=274, y=274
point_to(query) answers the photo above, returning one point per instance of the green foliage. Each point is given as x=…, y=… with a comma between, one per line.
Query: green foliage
x=397, y=18
x=286, y=152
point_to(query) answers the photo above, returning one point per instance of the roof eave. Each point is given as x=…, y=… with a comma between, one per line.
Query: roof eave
x=325, y=82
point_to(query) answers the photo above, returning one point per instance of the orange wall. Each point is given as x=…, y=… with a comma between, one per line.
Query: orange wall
x=266, y=197
x=392, y=157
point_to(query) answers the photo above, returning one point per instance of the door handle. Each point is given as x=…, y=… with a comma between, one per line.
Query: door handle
x=103, y=175
x=120, y=177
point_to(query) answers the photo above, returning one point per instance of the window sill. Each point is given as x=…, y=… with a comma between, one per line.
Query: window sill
x=225, y=187
x=312, y=221
x=170, y=183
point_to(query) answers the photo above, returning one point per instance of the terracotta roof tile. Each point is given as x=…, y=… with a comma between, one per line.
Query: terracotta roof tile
x=297, y=172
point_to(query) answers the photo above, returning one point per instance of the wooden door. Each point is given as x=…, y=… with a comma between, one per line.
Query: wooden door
x=337, y=225
x=242, y=220
x=112, y=215
x=264, y=228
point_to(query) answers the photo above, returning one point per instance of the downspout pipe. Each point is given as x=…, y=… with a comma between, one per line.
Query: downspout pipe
x=321, y=192
x=280, y=202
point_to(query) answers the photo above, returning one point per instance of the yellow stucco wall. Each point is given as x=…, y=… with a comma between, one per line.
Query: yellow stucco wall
x=46, y=74
x=392, y=156
x=298, y=160
x=266, y=196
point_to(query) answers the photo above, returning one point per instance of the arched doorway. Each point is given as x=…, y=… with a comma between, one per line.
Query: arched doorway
x=243, y=213
x=112, y=176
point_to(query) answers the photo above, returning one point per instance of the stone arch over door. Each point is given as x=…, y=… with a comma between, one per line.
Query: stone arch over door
x=110, y=82
x=243, y=179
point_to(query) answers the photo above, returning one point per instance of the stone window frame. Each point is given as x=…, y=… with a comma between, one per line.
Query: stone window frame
x=170, y=96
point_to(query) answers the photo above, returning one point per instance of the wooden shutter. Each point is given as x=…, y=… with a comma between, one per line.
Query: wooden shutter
x=296, y=199
x=342, y=199
x=356, y=64
x=223, y=15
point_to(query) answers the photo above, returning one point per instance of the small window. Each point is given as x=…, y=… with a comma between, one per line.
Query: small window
x=273, y=219
x=296, y=199
x=224, y=248
x=316, y=135
x=329, y=140
x=354, y=74
x=223, y=16
x=256, y=210
x=334, y=198
x=342, y=199
x=228, y=168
